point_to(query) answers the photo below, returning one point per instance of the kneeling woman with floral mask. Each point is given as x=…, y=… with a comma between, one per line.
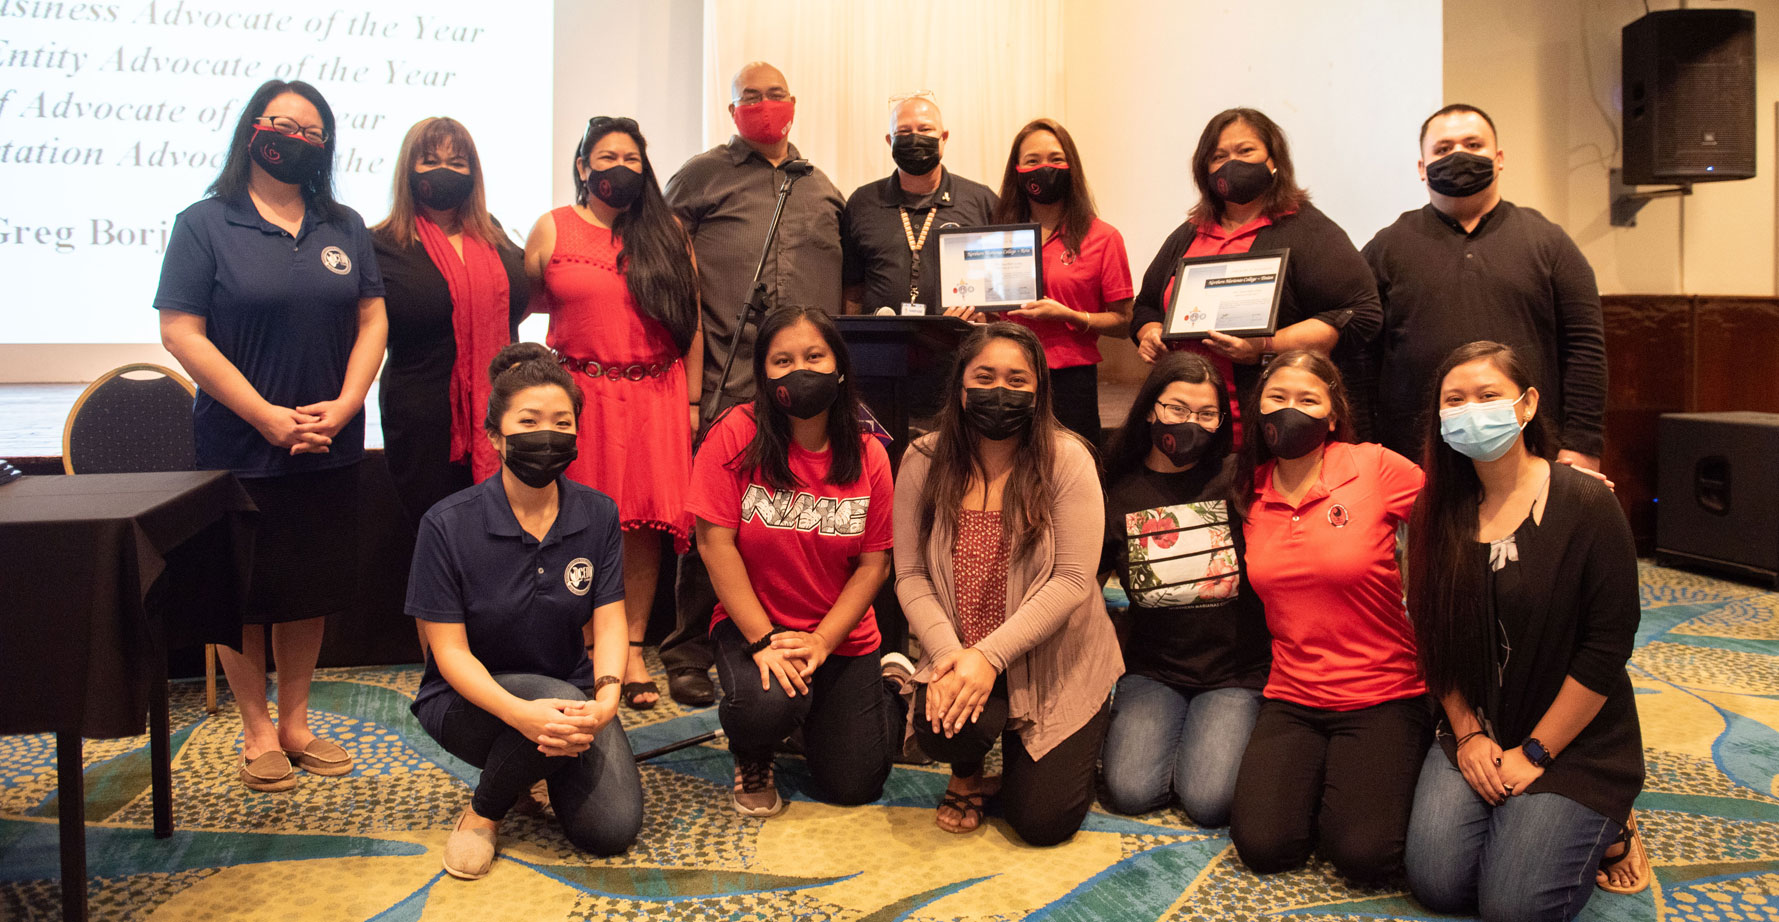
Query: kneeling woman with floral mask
x=516, y=581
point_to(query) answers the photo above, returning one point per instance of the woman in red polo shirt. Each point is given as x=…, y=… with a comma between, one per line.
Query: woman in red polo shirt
x=1332, y=761
x=1087, y=289
x=1249, y=200
x=793, y=499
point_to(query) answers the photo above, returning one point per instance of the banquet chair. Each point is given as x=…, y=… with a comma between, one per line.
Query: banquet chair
x=136, y=419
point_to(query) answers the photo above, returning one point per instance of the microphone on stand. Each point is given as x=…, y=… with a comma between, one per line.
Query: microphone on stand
x=799, y=167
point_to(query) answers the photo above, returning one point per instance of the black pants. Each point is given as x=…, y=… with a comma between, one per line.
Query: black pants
x=1340, y=783
x=851, y=721
x=1075, y=396
x=1044, y=800
x=596, y=795
x=688, y=646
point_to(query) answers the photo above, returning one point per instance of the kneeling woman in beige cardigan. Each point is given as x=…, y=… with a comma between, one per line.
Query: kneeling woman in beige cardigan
x=999, y=516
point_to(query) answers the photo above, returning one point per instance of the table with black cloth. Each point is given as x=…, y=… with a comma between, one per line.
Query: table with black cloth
x=102, y=574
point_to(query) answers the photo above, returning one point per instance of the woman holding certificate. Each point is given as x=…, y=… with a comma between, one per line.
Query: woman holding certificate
x=1249, y=201
x=1087, y=286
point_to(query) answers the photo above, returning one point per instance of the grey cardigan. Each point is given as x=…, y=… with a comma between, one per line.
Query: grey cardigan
x=1056, y=648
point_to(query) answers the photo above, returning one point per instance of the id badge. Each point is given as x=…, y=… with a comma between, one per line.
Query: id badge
x=913, y=309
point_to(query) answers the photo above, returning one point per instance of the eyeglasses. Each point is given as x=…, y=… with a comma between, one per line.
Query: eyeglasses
x=292, y=127
x=900, y=98
x=1208, y=417
x=604, y=124
x=752, y=97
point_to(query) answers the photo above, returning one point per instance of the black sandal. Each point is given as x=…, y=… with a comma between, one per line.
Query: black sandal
x=1634, y=852
x=964, y=804
x=630, y=691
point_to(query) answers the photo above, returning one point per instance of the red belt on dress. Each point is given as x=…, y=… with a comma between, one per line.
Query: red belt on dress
x=636, y=372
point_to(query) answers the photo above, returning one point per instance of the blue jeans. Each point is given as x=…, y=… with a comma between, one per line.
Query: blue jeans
x=1533, y=857
x=1164, y=743
x=596, y=795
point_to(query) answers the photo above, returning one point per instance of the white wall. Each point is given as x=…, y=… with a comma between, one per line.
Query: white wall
x=1548, y=72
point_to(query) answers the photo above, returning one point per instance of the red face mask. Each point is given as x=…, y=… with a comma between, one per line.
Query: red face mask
x=765, y=122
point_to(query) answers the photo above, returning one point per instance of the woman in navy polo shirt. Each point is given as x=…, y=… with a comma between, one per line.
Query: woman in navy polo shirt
x=1087, y=286
x=271, y=299
x=514, y=581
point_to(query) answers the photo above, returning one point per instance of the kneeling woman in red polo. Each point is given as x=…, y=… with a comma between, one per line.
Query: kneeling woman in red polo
x=1333, y=758
x=792, y=499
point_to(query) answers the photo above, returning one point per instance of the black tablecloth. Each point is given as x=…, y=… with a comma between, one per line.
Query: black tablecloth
x=100, y=573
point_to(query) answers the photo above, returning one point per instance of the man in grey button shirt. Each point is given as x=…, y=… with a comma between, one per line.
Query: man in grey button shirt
x=725, y=197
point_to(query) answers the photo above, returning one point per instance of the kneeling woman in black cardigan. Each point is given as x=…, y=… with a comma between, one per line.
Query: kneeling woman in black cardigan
x=1523, y=590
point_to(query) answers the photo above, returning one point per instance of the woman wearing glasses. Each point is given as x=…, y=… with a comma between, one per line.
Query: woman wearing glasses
x=271, y=300
x=1196, y=650
x=615, y=272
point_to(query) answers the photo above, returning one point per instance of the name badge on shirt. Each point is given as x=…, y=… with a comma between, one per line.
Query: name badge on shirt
x=913, y=309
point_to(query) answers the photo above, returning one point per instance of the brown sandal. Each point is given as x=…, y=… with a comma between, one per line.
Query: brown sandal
x=1635, y=854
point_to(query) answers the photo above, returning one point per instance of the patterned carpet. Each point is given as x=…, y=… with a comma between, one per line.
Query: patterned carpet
x=366, y=846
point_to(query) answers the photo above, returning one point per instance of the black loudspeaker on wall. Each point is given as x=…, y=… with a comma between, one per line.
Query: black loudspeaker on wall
x=1688, y=96
x=1717, y=492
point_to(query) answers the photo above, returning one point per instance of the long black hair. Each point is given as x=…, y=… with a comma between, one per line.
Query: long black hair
x=1255, y=451
x=1078, y=211
x=769, y=454
x=1030, y=493
x=521, y=366
x=1445, y=564
x=1130, y=445
x=318, y=187
x=656, y=265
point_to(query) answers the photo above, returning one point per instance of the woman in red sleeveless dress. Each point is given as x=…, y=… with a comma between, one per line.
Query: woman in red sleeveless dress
x=615, y=272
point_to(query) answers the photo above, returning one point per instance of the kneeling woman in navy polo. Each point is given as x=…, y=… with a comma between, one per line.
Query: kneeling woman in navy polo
x=792, y=500
x=515, y=581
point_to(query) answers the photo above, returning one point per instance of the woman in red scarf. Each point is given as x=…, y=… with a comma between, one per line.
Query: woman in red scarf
x=456, y=292
x=615, y=270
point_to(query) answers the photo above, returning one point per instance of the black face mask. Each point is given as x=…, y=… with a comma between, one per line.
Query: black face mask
x=805, y=393
x=1183, y=443
x=915, y=154
x=1292, y=433
x=999, y=412
x=284, y=158
x=1240, y=182
x=441, y=189
x=1046, y=184
x=538, y=457
x=1461, y=174
x=616, y=186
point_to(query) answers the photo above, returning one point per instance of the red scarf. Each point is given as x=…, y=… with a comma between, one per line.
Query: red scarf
x=479, y=306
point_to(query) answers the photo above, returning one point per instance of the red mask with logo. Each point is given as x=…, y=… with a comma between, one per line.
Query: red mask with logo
x=767, y=121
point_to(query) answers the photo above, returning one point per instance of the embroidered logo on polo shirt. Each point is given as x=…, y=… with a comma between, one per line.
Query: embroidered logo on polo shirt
x=336, y=260
x=578, y=575
x=1337, y=515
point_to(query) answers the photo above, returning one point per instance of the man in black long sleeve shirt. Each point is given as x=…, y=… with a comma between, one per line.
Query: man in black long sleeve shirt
x=1470, y=266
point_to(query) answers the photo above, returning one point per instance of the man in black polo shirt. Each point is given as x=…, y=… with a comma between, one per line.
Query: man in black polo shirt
x=888, y=222
x=1470, y=266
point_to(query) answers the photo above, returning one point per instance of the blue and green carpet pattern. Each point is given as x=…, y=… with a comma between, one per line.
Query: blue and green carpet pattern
x=366, y=846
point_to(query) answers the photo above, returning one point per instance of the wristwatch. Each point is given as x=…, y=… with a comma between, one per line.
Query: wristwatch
x=1536, y=753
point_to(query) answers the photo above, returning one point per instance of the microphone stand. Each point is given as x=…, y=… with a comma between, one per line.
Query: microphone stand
x=756, y=300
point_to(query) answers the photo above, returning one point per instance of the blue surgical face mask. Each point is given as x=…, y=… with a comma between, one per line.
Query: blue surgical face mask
x=1481, y=431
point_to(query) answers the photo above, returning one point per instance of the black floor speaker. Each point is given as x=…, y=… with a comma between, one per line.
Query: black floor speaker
x=1717, y=492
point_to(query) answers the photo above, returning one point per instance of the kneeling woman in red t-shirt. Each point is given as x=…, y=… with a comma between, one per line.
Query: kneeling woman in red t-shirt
x=792, y=500
x=1332, y=761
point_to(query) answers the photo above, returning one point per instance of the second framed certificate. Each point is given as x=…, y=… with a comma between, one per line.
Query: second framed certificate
x=1236, y=294
x=995, y=268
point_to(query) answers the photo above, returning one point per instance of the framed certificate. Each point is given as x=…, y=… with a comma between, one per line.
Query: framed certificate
x=994, y=268
x=1237, y=294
